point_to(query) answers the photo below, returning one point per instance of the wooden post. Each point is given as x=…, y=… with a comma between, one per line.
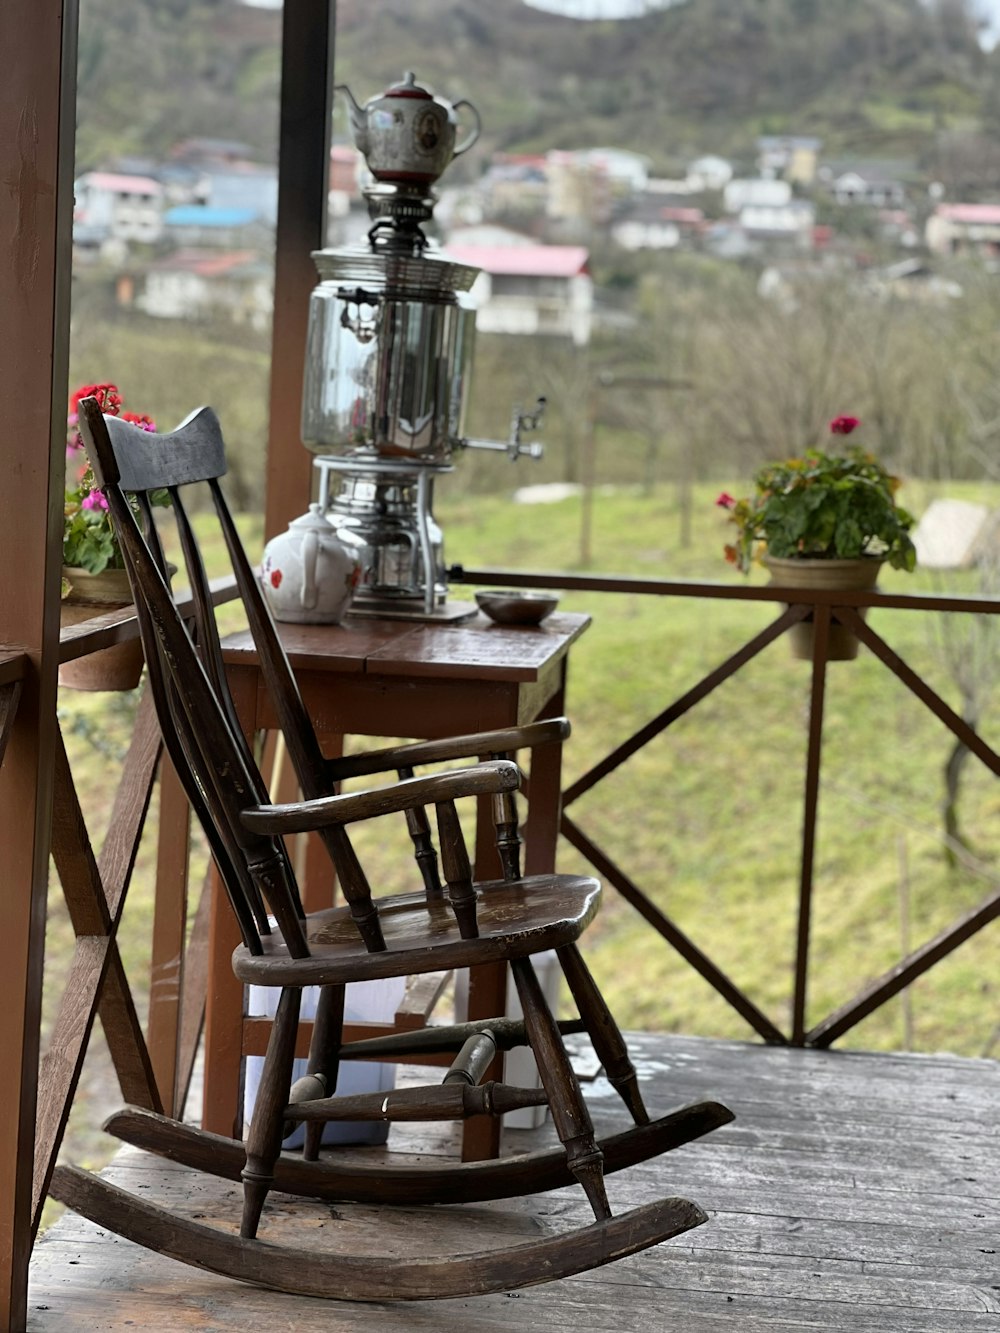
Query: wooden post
x=303, y=186
x=814, y=759
x=37, y=126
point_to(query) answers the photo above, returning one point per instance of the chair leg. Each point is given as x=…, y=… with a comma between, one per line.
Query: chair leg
x=569, y=1112
x=324, y=1056
x=267, y=1124
x=603, y=1031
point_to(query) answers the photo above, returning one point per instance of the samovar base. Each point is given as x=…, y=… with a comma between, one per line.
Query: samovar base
x=413, y=610
x=384, y=508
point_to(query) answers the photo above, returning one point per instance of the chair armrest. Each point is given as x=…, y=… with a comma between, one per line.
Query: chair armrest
x=504, y=741
x=304, y=816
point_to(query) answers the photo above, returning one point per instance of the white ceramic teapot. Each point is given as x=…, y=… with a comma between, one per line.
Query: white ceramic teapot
x=309, y=573
x=406, y=134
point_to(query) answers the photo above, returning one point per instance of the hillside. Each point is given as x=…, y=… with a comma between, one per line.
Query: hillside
x=875, y=78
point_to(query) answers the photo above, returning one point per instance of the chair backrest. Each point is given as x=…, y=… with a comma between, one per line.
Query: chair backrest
x=197, y=715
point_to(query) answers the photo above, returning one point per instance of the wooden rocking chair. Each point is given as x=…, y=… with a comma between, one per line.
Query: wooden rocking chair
x=458, y=924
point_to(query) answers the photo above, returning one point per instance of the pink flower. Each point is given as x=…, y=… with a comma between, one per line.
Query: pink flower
x=146, y=422
x=726, y=501
x=95, y=500
x=844, y=425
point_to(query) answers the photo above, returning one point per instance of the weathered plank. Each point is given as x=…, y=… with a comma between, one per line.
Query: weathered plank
x=863, y=1218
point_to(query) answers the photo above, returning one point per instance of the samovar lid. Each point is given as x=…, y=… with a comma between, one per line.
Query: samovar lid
x=422, y=275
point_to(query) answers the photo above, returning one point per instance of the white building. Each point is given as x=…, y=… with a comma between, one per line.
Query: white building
x=793, y=157
x=490, y=235
x=874, y=191
x=534, y=289
x=756, y=192
x=964, y=229
x=198, y=284
x=790, y=223
x=708, y=173
x=628, y=172
x=649, y=224
x=636, y=233
x=111, y=206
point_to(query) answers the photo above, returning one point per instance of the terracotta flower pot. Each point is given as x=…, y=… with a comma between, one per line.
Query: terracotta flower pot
x=850, y=575
x=118, y=667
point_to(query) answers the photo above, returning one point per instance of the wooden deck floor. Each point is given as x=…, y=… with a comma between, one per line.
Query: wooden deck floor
x=853, y=1192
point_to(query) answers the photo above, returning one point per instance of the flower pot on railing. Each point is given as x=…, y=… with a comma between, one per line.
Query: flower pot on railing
x=859, y=575
x=118, y=667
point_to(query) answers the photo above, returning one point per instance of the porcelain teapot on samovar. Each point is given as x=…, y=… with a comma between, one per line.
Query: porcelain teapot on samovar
x=406, y=134
x=309, y=573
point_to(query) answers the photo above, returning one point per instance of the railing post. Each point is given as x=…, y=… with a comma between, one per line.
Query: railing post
x=37, y=126
x=821, y=643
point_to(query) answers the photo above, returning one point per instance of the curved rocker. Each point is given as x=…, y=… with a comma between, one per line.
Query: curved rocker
x=355, y=1278
x=465, y=1182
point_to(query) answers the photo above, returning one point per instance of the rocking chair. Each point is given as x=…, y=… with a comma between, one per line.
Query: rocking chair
x=440, y=926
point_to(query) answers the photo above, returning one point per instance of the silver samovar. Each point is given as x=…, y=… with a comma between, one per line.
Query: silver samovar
x=389, y=361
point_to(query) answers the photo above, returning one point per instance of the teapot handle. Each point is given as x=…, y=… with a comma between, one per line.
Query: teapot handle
x=473, y=134
x=310, y=593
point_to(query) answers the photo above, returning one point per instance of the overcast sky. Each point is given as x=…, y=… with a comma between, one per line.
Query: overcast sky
x=990, y=10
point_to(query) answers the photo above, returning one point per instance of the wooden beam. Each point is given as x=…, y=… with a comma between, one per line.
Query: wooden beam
x=95, y=895
x=303, y=184
x=37, y=127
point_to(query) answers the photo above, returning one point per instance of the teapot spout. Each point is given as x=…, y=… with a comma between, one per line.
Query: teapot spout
x=359, y=121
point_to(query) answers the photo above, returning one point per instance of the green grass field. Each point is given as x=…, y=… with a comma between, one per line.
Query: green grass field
x=707, y=819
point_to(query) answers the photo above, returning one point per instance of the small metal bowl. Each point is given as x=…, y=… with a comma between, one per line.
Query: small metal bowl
x=516, y=606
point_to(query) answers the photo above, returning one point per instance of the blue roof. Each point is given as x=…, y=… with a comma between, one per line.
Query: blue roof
x=202, y=215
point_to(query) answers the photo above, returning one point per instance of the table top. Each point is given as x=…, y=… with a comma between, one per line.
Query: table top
x=477, y=648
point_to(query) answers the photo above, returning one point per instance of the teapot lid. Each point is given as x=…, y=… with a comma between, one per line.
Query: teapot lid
x=409, y=88
x=312, y=519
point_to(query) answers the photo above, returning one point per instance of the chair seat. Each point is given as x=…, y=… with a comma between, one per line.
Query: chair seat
x=523, y=917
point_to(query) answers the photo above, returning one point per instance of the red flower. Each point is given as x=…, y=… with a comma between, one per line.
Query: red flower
x=107, y=395
x=844, y=425
x=726, y=501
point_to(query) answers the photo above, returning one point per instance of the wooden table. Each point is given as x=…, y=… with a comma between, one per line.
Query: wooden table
x=397, y=679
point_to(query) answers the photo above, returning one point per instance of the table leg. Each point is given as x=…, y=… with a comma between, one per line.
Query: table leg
x=545, y=807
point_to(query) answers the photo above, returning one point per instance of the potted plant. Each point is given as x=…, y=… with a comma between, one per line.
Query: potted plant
x=823, y=521
x=94, y=579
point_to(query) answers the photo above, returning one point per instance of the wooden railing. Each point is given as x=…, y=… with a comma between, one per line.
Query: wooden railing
x=824, y=608
x=154, y=1068
x=152, y=1073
